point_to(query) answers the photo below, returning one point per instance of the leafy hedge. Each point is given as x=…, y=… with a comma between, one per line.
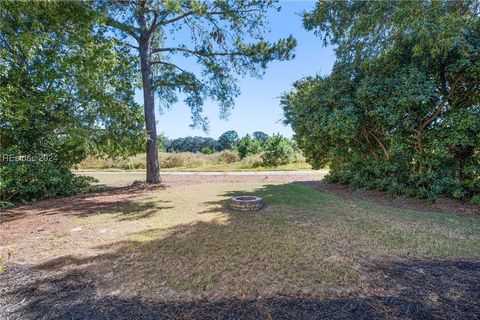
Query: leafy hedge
x=401, y=109
x=24, y=181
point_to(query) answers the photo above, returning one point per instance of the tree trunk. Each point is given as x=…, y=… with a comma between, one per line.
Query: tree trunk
x=153, y=172
x=419, y=147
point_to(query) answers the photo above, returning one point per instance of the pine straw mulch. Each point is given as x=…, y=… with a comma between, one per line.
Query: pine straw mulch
x=441, y=205
x=394, y=288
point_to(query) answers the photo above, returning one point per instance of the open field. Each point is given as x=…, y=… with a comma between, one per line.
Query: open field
x=178, y=251
x=224, y=161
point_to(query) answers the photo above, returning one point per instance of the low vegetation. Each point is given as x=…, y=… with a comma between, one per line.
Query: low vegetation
x=278, y=151
x=256, y=152
x=189, y=161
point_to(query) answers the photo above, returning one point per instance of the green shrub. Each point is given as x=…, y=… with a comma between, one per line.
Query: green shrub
x=277, y=151
x=388, y=117
x=24, y=181
x=207, y=150
x=248, y=147
x=475, y=199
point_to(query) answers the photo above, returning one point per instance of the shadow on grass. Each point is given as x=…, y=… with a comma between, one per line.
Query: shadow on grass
x=421, y=290
x=222, y=257
x=441, y=205
x=103, y=200
x=292, y=194
x=132, y=211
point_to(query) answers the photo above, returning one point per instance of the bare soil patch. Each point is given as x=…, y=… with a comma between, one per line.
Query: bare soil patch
x=50, y=215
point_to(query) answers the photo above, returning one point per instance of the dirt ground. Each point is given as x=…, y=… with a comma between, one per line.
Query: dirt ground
x=51, y=271
x=29, y=223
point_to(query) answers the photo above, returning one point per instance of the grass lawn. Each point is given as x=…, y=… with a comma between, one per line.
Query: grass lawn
x=182, y=243
x=186, y=240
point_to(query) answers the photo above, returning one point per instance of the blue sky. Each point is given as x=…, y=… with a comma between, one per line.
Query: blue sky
x=258, y=108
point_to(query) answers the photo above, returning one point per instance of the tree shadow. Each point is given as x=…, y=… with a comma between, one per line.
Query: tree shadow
x=105, y=200
x=270, y=193
x=441, y=205
x=413, y=289
x=131, y=211
x=200, y=270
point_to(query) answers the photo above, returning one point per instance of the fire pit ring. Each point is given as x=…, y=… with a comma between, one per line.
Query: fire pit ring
x=246, y=203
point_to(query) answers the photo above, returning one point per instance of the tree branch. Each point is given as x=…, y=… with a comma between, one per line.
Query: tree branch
x=433, y=117
x=154, y=25
x=385, y=152
x=128, y=45
x=196, y=52
x=189, y=13
x=186, y=14
x=123, y=27
x=207, y=87
x=168, y=64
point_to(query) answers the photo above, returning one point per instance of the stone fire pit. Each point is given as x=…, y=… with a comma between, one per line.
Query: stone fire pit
x=246, y=203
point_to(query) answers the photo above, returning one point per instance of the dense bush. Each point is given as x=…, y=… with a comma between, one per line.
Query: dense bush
x=30, y=180
x=172, y=160
x=186, y=159
x=399, y=112
x=277, y=151
x=207, y=150
x=252, y=161
x=225, y=160
x=248, y=147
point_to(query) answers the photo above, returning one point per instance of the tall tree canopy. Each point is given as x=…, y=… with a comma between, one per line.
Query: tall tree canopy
x=261, y=136
x=400, y=111
x=228, y=139
x=65, y=92
x=225, y=38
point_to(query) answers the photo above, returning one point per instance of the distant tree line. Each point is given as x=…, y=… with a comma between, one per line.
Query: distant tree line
x=275, y=150
x=229, y=140
x=191, y=144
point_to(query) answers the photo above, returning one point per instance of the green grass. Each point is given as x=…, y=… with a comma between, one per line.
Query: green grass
x=184, y=239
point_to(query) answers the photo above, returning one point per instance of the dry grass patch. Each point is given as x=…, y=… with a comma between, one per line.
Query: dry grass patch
x=182, y=247
x=184, y=242
x=191, y=161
